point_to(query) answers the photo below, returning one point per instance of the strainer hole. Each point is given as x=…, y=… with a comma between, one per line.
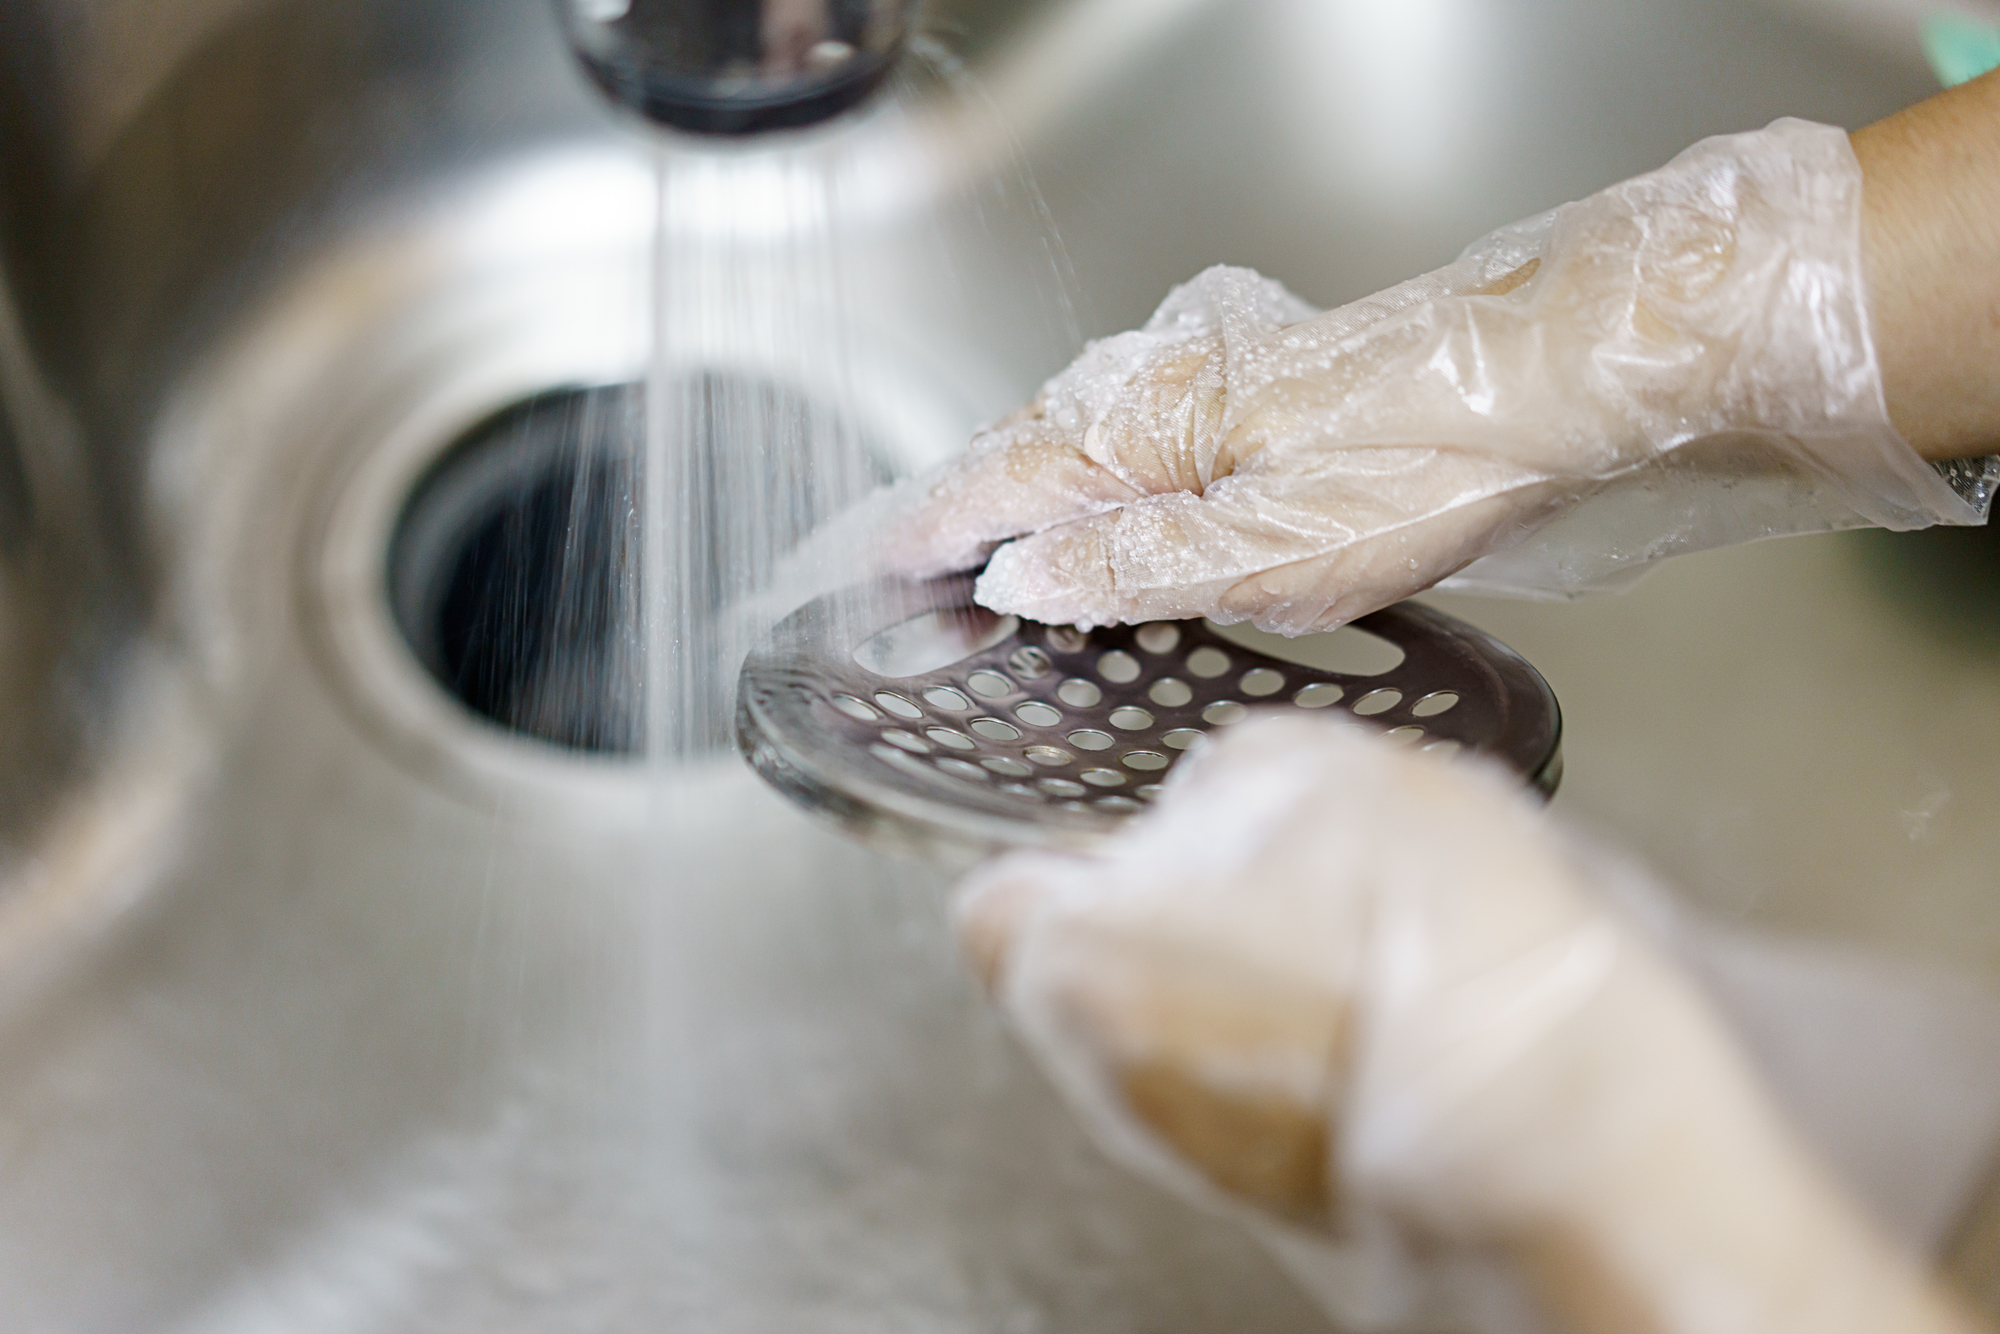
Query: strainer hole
x=1103, y=777
x=1182, y=737
x=1131, y=718
x=1049, y=757
x=1079, y=693
x=990, y=685
x=1318, y=695
x=1208, y=662
x=1037, y=714
x=1159, y=637
x=1224, y=712
x=1029, y=663
x=1118, y=667
x=1377, y=701
x=855, y=709
x=1062, y=787
x=1261, y=681
x=944, y=697
x=1089, y=739
x=1169, y=693
x=1431, y=705
x=1146, y=761
x=896, y=704
x=995, y=730
x=950, y=739
x=1006, y=768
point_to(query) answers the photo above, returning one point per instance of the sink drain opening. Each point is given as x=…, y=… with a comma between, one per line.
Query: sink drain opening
x=516, y=569
x=514, y=574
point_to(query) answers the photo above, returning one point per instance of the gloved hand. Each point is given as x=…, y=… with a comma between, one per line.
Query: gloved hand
x=1381, y=1001
x=1679, y=361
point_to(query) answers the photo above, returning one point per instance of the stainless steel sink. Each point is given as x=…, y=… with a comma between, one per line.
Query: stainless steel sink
x=327, y=1005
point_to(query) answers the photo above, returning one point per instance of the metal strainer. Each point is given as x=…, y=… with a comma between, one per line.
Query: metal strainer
x=920, y=720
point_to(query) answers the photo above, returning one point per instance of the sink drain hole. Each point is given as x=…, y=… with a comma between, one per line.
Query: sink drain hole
x=515, y=573
x=515, y=570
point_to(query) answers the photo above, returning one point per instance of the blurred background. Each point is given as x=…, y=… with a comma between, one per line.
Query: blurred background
x=353, y=980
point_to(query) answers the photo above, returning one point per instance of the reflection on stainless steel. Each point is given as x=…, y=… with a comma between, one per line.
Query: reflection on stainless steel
x=325, y=1004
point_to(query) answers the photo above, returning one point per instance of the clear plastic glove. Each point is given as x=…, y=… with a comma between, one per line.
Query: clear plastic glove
x=1379, y=1003
x=1680, y=361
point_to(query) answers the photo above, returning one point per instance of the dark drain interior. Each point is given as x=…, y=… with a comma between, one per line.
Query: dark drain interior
x=515, y=572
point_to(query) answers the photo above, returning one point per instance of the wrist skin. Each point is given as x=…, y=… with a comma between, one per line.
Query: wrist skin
x=1931, y=251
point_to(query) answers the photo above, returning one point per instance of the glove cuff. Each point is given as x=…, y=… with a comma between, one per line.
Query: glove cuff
x=1721, y=314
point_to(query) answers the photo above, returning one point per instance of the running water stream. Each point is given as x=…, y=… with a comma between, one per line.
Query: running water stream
x=750, y=440
x=754, y=436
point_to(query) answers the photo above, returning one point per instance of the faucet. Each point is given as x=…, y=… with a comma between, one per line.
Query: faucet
x=733, y=67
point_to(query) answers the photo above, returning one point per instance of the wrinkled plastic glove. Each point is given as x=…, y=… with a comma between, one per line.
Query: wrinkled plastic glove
x=1381, y=1004
x=1529, y=408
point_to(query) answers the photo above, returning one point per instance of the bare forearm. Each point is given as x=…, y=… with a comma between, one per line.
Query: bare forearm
x=1931, y=241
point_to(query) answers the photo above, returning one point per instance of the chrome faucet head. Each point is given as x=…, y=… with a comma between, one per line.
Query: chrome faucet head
x=732, y=67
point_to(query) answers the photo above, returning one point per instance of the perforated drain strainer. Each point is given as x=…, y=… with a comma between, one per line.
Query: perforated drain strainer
x=919, y=719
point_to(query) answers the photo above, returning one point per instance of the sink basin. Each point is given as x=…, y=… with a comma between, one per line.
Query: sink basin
x=329, y=1004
